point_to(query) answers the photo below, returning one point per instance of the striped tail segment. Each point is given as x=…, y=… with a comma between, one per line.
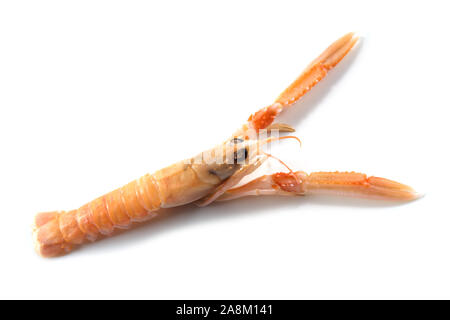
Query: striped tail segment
x=59, y=232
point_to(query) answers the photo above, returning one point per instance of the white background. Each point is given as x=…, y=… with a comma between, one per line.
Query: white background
x=94, y=94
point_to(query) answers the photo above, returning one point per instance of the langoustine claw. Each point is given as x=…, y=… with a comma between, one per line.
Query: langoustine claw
x=332, y=183
x=313, y=73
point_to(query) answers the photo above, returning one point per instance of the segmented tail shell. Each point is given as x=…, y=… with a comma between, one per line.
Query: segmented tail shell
x=58, y=232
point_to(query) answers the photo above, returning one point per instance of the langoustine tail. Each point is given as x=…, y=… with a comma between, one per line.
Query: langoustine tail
x=59, y=232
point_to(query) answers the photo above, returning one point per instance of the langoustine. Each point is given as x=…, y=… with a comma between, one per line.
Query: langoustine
x=58, y=232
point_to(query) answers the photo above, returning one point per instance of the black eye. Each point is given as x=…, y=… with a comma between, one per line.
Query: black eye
x=236, y=140
x=240, y=155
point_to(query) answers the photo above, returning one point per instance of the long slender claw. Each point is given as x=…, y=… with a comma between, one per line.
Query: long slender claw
x=357, y=185
x=334, y=183
x=317, y=69
x=315, y=72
